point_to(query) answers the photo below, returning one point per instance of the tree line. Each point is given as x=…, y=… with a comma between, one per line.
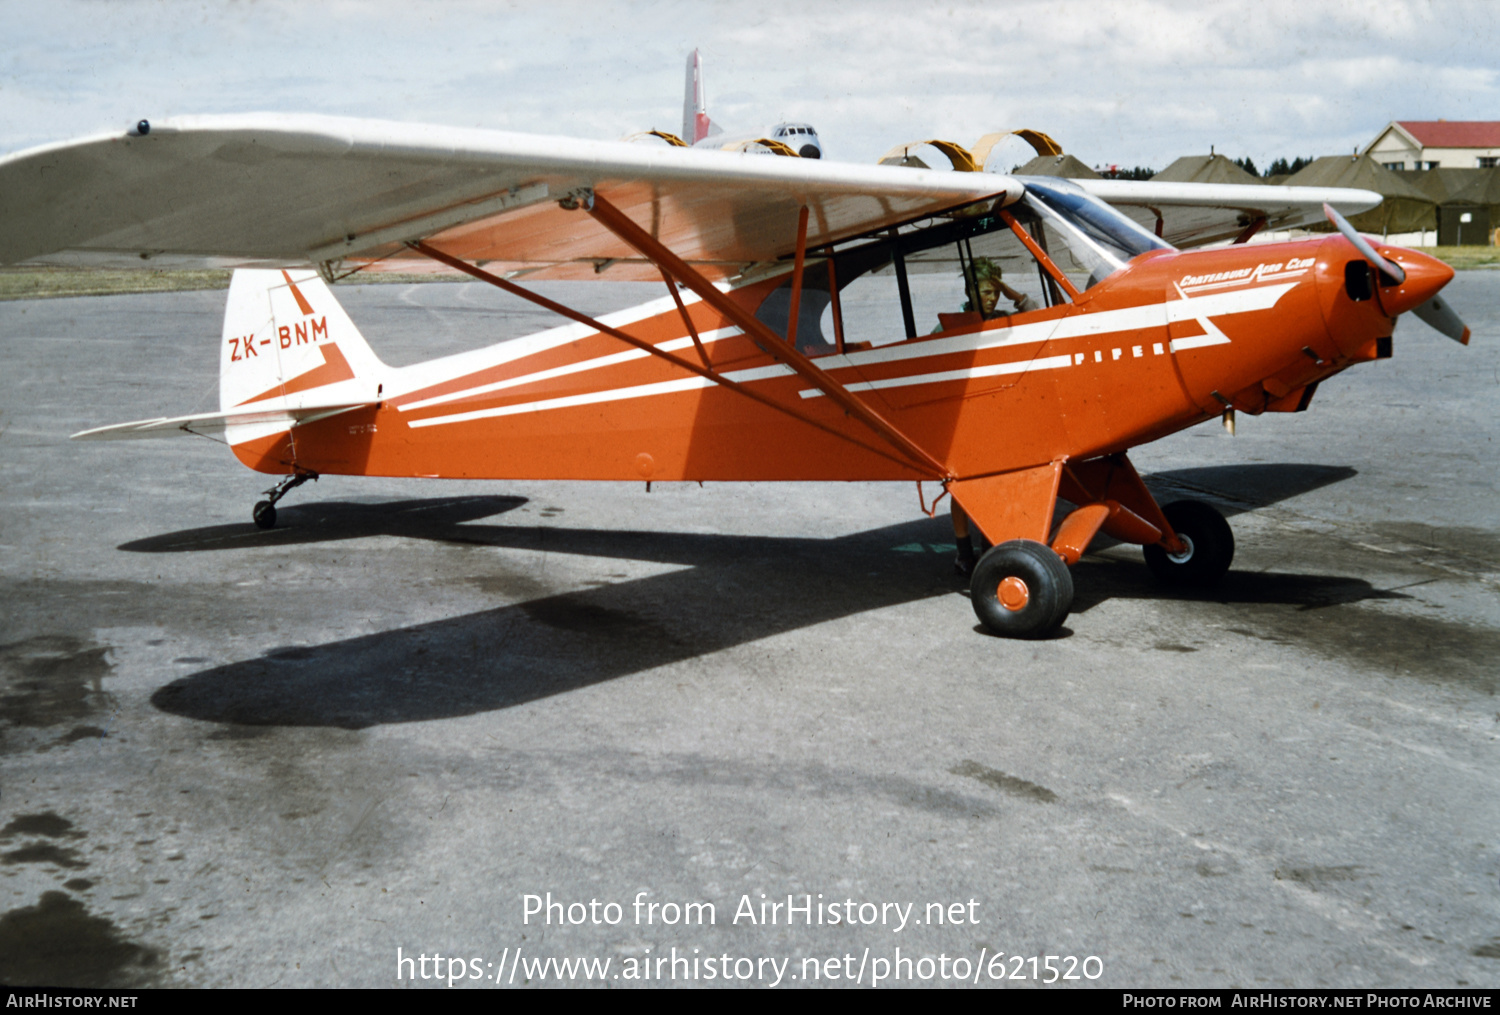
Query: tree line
x=1280, y=167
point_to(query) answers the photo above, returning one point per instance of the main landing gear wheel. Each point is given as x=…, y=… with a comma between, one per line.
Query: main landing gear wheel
x=1210, y=546
x=1021, y=589
x=264, y=514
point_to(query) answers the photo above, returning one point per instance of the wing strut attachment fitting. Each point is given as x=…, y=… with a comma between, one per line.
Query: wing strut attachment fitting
x=783, y=352
x=1252, y=227
x=646, y=347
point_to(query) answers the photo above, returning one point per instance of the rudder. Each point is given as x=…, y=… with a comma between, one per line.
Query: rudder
x=287, y=343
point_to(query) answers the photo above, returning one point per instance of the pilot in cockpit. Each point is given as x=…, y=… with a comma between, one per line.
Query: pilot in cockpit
x=990, y=287
x=988, y=281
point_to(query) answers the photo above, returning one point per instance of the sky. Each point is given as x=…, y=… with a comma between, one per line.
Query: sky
x=1136, y=82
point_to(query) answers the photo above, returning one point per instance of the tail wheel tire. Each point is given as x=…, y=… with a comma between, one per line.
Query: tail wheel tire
x=1210, y=546
x=264, y=514
x=1021, y=589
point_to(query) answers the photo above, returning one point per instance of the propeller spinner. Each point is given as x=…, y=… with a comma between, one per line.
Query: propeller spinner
x=1435, y=311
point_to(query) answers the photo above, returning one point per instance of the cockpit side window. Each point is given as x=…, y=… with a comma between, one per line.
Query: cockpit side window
x=959, y=270
x=955, y=273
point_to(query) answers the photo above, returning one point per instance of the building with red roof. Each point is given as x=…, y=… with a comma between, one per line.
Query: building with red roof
x=1437, y=144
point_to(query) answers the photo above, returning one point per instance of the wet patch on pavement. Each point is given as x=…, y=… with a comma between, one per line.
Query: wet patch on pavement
x=1332, y=616
x=58, y=942
x=996, y=779
x=52, y=680
x=47, y=824
x=45, y=853
x=1453, y=548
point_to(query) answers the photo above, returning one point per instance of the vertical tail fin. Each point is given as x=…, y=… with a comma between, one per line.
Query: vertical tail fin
x=696, y=126
x=288, y=344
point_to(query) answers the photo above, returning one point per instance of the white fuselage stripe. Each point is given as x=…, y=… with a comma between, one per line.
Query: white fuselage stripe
x=674, y=345
x=612, y=395
x=404, y=380
x=1198, y=308
x=992, y=370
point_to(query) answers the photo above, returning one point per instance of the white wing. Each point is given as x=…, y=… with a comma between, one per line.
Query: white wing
x=283, y=190
x=1192, y=214
x=296, y=190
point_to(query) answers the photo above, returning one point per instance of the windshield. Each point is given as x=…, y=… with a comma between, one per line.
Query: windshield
x=1101, y=238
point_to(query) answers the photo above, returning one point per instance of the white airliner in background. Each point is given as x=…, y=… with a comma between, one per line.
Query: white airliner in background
x=701, y=132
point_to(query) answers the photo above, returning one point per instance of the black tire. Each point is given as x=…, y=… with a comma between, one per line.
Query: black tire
x=1210, y=546
x=264, y=514
x=1040, y=590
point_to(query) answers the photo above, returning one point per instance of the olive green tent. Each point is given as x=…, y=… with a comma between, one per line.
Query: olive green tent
x=1483, y=187
x=1405, y=209
x=1205, y=169
x=1468, y=203
x=1442, y=184
x=1058, y=165
x=1480, y=201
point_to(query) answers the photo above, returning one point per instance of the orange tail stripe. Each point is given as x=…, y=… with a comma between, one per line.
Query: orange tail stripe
x=334, y=369
x=302, y=303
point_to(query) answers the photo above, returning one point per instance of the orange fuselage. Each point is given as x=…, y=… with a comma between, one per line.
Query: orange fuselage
x=1173, y=339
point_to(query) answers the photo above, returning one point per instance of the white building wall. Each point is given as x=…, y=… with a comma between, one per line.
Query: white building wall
x=1394, y=150
x=1461, y=158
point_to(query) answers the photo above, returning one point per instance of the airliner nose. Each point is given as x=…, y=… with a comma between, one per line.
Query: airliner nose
x=1425, y=275
x=810, y=151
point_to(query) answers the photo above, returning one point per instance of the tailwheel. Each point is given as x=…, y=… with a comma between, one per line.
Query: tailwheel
x=1021, y=589
x=264, y=511
x=1209, y=546
x=264, y=514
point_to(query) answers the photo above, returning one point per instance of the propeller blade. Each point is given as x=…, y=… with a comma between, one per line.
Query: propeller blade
x=1390, y=268
x=1440, y=315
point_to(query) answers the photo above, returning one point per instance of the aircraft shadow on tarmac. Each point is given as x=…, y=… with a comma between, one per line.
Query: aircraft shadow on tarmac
x=736, y=589
x=331, y=521
x=1235, y=488
x=1239, y=488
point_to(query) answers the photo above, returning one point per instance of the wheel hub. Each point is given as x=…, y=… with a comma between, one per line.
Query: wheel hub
x=1013, y=594
x=1187, y=551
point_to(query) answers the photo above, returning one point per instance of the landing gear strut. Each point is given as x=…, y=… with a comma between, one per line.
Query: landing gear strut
x=264, y=511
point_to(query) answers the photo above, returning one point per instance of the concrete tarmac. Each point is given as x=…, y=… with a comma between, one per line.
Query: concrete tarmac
x=402, y=718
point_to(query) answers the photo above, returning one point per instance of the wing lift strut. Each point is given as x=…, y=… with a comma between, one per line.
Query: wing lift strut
x=782, y=351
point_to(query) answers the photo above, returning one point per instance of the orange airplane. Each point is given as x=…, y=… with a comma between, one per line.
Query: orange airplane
x=1008, y=338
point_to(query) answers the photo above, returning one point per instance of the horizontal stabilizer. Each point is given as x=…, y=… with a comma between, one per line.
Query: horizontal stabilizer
x=212, y=422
